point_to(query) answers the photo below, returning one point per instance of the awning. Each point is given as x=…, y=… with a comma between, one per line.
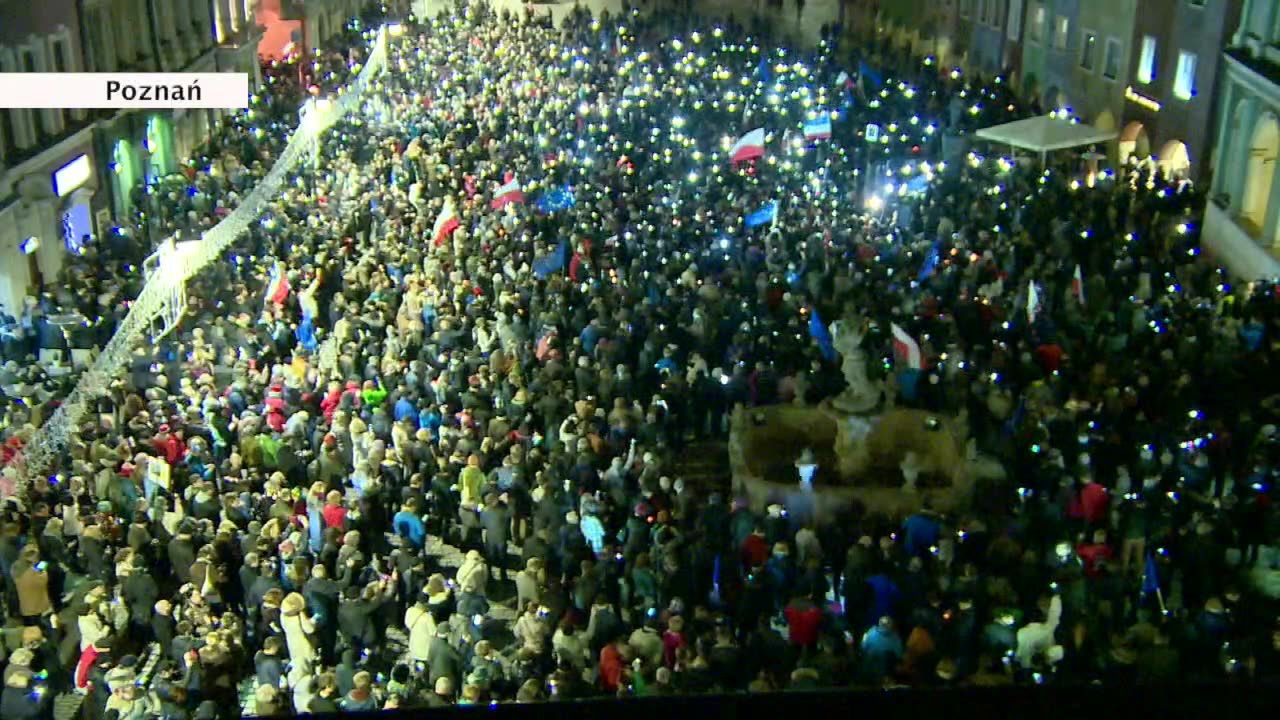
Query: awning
x=1046, y=133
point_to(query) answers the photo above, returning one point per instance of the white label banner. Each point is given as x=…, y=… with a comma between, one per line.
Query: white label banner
x=90, y=91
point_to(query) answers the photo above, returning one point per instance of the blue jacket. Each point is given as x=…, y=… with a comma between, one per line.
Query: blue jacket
x=405, y=410
x=919, y=531
x=881, y=651
x=410, y=527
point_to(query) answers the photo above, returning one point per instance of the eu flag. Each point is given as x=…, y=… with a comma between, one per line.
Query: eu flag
x=867, y=72
x=1150, y=576
x=821, y=335
x=763, y=215
x=556, y=199
x=763, y=72
x=552, y=262
x=930, y=261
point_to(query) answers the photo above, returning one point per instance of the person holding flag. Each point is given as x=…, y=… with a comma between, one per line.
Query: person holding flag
x=748, y=147
x=446, y=222
x=508, y=193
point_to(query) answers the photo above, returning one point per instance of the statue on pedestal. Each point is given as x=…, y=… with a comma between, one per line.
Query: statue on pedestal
x=861, y=396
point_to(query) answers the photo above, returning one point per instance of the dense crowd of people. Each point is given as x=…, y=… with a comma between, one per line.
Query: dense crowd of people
x=418, y=441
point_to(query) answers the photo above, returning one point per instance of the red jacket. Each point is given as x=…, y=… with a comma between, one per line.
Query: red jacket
x=335, y=516
x=329, y=404
x=755, y=551
x=170, y=446
x=1091, y=554
x=611, y=667
x=803, y=623
x=671, y=642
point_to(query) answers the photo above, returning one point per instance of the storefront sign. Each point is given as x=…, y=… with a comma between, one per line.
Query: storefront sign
x=72, y=175
x=1141, y=100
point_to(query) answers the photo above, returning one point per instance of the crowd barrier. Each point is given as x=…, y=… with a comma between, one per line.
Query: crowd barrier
x=53, y=438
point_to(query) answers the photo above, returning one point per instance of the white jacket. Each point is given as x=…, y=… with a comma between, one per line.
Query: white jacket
x=1035, y=638
x=422, y=628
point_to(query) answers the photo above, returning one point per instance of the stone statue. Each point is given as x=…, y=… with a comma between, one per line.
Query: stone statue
x=861, y=396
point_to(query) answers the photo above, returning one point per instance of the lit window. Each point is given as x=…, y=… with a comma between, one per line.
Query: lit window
x=1038, y=19
x=1184, y=84
x=1111, y=61
x=1088, y=49
x=1061, y=32
x=1015, y=19
x=1147, y=62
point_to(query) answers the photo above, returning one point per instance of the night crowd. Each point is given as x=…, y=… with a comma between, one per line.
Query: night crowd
x=389, y=462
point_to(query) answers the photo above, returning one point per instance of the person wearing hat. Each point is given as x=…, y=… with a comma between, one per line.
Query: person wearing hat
x=298, y=631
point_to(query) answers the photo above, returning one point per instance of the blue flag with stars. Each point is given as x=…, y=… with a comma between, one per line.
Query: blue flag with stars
x=763, y=215
x=556, y=199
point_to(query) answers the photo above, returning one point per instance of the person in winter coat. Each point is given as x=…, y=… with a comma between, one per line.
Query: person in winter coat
x=19, y=701
x=360, y=698
x=409, y=526
x=881, y=651
x=298, y=631
x=31, y=579
x=473, y=570
x=268, y=663
x=531, y=629
x=422, y=629
x=443, y=659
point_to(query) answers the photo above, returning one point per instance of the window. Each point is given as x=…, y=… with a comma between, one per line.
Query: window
x=966, y=7
x=1062, y=32
x=1147, y=61
x=60, y=51
x=8, y=140
x=1088, y=50
x=1015, y=19
x=1039, y=17
x=1197, y=3
x=1111, y=60
x=1184, y=83
x=981, y=15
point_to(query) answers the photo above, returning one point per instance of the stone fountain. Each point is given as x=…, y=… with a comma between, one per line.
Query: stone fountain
x=885, y=459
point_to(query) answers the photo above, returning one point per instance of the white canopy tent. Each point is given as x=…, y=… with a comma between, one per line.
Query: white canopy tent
x=1046, y=133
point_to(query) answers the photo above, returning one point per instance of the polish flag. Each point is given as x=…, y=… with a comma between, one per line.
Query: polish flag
x=905, y=348
x=1077, y=285
x=748, y=147
x=819, y=129
x=278, y=285
x=509, y=193
x=446, y=223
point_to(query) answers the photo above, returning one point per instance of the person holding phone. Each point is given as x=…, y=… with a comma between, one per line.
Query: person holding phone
x=31, y=581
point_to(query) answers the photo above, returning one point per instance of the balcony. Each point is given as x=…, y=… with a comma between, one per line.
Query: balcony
x=1237, y=244
x=15, y=156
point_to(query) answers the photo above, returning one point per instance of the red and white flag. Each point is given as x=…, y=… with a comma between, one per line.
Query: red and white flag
x=278, y=285
x=905, y=348
x=748, y=147
x=1077, y=285
x=1033, y=302
x=509, y=193
x=446, y=222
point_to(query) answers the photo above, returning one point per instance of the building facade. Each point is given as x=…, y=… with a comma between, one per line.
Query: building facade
x=318, y=20
x=983, y=23
x=1098, y=45
x=48, y=183
x=173, y=36
x=1171, y=81
x=1242, y=223
x=1048, y=55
